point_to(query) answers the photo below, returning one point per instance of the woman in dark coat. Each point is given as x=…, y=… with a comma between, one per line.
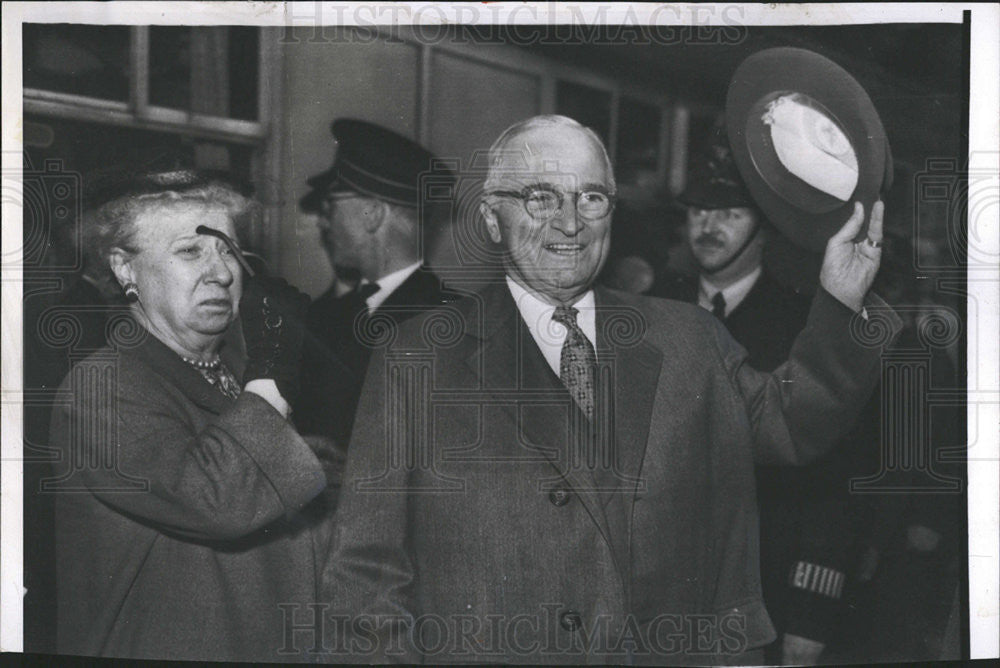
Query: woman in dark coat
x=178, y=523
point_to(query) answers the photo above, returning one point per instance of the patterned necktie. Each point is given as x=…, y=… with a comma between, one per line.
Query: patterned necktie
x=577, y=363
x=719, y=306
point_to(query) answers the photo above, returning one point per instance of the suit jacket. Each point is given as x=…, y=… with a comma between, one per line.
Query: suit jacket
x=177, y=530
x=477, y=507
x=336, y=354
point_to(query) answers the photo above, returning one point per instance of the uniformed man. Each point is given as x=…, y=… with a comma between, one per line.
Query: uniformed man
x=371, y=221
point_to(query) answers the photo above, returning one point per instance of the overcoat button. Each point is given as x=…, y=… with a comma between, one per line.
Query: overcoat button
x=559, y=496
x=570, y=620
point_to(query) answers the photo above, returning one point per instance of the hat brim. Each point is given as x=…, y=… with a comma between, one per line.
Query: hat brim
x=715, y=196
x=320, y=186
x=806, y=215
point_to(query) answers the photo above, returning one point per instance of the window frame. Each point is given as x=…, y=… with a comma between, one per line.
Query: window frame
x=138, y=113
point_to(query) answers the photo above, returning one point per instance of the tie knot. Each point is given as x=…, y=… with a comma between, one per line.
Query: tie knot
x=366, y=290
x=566, y=316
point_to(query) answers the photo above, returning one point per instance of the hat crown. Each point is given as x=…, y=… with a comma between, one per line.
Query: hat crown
x=374, y=161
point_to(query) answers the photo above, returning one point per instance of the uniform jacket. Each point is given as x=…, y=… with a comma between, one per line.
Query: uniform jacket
x=470, y=499
x=336, y=355
x=177, y=527
x=766, y=322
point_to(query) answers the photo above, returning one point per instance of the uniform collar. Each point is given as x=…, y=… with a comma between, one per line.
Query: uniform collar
x=733, y=293
x=388, y=284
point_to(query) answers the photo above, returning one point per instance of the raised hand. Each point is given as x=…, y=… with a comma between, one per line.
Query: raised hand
x=849, y=268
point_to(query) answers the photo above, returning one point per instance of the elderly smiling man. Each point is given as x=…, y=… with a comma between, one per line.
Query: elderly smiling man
x=564, y=473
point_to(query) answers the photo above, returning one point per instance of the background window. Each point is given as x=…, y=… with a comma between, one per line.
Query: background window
x=638, y=140
x=223, y=84
x=77, y=59
x=590, y=106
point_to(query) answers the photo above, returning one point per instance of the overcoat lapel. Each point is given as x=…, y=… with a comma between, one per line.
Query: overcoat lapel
x=630, y=367
x=634, y=366
x=167, y=363
x=514, y=370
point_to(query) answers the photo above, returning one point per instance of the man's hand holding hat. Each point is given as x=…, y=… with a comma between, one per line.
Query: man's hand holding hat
x=808, y=142
x=849, y=268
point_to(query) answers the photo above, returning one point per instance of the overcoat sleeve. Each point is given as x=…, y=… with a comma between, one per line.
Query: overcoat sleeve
x=223, y=479
x=801, y=409
x=369, y=575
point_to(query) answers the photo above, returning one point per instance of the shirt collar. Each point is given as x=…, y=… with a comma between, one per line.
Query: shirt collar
x=533, y=308
x=549, y=335
x=734, y=293
x=388, y=284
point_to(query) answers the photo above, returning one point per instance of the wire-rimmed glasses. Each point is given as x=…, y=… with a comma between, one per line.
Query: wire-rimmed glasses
x=544, y=202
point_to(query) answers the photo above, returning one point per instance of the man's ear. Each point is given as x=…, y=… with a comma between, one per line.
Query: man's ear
x=492, y=224
x=121, y=266
x=376, y=213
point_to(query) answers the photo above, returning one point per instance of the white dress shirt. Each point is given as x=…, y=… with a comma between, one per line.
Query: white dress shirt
x=548, y=334
x=388, y=284
x=733, y=294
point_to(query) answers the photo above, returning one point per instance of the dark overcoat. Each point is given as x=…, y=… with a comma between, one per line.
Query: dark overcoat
x=474, y=524
x=338, y=348
x=177, y=527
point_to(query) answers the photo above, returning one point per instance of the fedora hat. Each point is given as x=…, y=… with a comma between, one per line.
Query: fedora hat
x=808, y=142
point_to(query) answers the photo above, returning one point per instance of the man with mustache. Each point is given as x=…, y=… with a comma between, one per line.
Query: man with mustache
x=727, y=234
x=549, y=472
x=806, y=527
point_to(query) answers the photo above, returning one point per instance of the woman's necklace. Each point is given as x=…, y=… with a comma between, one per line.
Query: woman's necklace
x=200, y=364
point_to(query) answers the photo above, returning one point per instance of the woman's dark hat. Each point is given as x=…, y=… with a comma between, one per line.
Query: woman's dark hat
x=372, y=161
x=808, y=142
x=104, y=186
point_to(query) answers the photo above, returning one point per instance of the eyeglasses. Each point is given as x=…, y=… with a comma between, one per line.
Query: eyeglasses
x=326, y=207
x=543, y=203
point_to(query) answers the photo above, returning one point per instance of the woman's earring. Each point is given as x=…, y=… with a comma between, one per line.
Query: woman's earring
x=132, y=292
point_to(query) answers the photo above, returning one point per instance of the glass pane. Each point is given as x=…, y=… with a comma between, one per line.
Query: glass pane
x=208, y=70
x=244, y=47
x=702, y=131
x=77, y=59
x=638, y=140
x=170, y=66
x=82, y=148
x=589, y=106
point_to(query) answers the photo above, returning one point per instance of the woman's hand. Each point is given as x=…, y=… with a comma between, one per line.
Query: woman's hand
x=273, y=318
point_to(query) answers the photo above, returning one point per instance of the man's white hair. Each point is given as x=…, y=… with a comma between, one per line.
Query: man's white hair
x=499, y=147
